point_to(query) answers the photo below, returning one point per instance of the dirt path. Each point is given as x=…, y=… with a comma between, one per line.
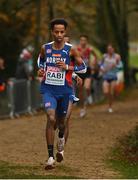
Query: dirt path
x=22, y=140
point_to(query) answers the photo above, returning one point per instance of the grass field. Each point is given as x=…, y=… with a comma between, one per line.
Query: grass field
x=133, y=59
x=124, y=155
x=16, y=171
x=127, y=170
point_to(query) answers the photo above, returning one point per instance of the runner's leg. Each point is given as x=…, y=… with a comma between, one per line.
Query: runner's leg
x=112, y=90
x=106, y=91
x=87, y=87
x=50, y=104
x=67, y=123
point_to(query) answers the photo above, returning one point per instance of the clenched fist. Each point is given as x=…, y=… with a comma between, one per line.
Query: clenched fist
x=41, y=72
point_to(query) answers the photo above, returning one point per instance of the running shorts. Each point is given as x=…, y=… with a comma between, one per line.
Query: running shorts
x=57, y=102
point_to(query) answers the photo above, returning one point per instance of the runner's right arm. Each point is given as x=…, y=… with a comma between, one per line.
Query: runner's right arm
x=40, y=62
x=94, y=62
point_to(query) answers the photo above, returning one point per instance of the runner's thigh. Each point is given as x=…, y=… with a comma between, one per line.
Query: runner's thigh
x=87, y=83
x=106, y=87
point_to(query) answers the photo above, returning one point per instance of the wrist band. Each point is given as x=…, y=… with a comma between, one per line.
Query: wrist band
x=74, y=75
x=67, y=66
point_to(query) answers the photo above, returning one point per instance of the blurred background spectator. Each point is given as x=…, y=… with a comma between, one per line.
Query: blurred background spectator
x=24, y=68
x=2, y=75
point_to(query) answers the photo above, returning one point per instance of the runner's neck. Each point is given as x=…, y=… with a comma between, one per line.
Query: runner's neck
x=110, y=55
x=58, y=46
x=83, y=46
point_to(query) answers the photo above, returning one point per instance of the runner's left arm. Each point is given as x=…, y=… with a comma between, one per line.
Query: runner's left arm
x=117, y=64
x=80, y=66
x=93, y=60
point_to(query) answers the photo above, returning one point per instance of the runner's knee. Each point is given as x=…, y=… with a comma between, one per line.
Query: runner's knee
x=106, y=92
x=51, y=119
x=87, y=88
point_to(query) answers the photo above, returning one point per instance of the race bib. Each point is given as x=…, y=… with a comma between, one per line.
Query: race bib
x=55, y=76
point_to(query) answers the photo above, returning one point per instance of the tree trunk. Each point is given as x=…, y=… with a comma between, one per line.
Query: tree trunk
x=50, y=5
x=37, y=36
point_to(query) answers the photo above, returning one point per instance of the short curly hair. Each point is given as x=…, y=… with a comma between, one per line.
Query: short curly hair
x=57, y=21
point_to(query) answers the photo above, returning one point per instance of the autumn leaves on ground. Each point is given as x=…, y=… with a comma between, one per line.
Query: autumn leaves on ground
x=23, y=147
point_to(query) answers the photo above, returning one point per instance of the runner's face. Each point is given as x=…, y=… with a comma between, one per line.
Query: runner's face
x=66, y=39
x=110, y=50
x=83, y=41
x=58, y=33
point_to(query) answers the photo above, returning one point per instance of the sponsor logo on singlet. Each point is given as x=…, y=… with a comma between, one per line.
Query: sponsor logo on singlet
x=66, y=52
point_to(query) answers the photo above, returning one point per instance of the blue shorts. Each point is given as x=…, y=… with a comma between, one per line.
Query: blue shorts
x=109, y=79
x=57, y=102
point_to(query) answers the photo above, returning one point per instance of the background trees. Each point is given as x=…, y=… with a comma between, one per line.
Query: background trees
x=13, y=28
x=104, y=21
x=112, y=27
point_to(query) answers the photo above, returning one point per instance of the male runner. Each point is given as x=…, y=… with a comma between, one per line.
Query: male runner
x=79, y=82
x=109, y=68
x=67, y=38
x=86, y=51
x=56, y=66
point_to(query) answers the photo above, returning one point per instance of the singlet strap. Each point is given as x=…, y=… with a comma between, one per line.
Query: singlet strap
x=67, y=47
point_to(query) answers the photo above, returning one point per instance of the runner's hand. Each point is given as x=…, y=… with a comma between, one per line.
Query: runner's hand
x=61, y=64
x=41, y=72
x=79, y=81
x=112, y=65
